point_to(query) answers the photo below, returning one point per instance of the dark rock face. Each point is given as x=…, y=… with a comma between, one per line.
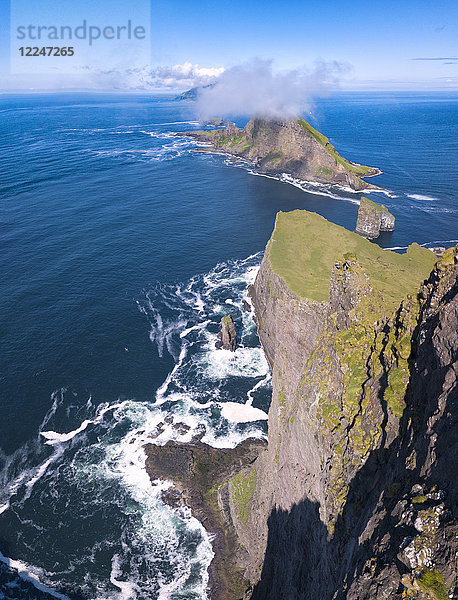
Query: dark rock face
x=228, y=335
x=246, y=306
x=287, y=146
x=355, y=497
x=372, y=219
x=200, y=474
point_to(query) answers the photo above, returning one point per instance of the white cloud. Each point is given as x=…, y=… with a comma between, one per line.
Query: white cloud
x=174, y=77
x=184, y=75
x=254, y=88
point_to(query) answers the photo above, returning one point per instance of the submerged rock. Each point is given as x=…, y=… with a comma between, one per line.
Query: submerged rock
x=372, y=219
x=246, y=306
x=228, y=335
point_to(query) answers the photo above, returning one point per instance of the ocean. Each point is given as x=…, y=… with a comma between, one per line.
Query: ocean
x=121, y=250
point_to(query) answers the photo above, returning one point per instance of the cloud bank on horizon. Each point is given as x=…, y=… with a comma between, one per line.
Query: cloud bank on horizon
x=254, y=88
x=249, y=88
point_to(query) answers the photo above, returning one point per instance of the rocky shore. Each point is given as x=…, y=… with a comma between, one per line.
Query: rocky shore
x=200, y=475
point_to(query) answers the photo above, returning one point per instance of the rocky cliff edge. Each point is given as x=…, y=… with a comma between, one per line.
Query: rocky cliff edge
x=355, y=495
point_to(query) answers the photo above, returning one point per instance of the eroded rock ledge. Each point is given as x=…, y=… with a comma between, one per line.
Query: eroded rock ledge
x=200, y=475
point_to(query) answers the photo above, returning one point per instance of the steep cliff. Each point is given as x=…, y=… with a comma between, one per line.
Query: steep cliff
x=372, y=219
x=354, y=495
x=288, y=146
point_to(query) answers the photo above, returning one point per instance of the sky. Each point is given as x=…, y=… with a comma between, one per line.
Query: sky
x=377, y=45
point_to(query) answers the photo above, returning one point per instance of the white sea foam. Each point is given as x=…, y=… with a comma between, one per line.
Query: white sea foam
x=32, y=575
x=244, y=362
x=422, y=197
x=436, y=209
x=242, y=413
x=167, y=151
x=40, y=472
x=311, y=187
x=128, y=589
x=54, y=438
x=28, y=474
x=185, y=332
x=160, y=550
x=157, y=134
x=426, y=244
x=178, y=123
x=263, y=382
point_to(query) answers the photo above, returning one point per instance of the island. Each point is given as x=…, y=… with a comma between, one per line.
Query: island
x=372, y=219
x=193, y=93
x=290, y=146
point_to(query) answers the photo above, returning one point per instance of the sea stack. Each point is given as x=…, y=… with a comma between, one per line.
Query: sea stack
x=372, y=219
x=227, y=336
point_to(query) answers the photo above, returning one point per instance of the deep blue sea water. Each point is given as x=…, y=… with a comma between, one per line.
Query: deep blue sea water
x=121, y=250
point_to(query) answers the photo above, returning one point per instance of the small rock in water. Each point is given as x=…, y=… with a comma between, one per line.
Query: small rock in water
x=227, y=335
x=201, y=430
x=158, y=431
x=246, y=306
x=182, y=428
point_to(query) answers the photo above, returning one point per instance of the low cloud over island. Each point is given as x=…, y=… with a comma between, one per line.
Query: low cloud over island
x=255, y=88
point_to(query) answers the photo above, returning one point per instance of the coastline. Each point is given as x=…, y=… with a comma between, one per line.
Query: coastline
x=213, y=149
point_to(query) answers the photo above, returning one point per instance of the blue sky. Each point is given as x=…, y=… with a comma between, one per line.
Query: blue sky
x=380, y=42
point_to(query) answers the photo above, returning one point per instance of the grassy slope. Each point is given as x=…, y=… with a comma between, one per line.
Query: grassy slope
x=305, y=247
x=359, y=170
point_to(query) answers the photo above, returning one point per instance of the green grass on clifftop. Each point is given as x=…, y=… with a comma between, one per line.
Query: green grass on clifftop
x=359, y=170
x=380, y=207
x=305, y=247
